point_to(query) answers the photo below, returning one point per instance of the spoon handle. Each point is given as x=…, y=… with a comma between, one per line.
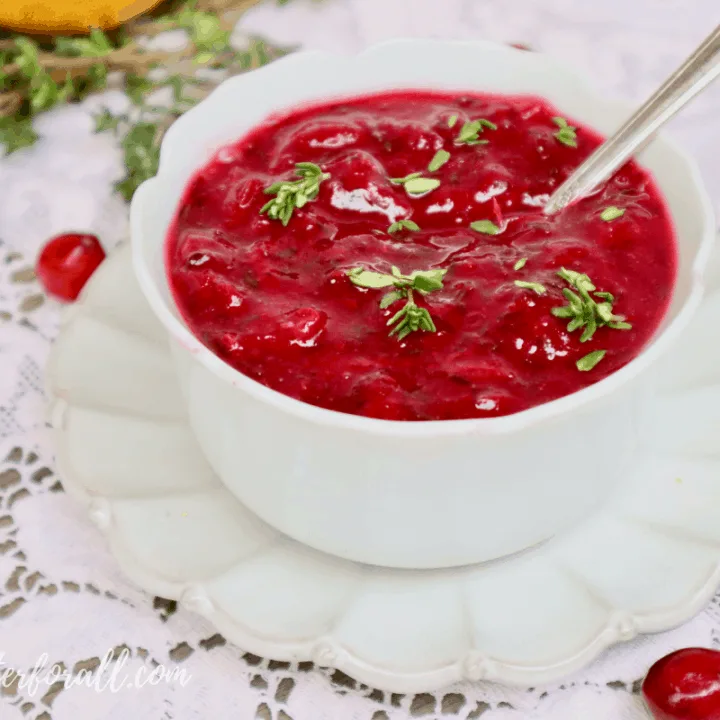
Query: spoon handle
x=691, y=78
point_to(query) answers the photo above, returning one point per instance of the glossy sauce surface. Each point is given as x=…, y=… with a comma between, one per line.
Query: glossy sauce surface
x=277, y=304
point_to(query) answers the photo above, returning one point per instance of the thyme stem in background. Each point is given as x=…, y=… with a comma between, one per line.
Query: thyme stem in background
x=37, y=74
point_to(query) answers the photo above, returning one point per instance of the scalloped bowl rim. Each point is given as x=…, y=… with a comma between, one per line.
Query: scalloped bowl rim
x=486, y=426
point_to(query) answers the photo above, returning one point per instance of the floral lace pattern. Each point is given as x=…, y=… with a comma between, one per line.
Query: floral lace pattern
x=61, y=592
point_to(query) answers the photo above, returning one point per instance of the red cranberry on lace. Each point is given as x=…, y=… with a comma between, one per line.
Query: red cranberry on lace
x=66, y=263
x=684, y=685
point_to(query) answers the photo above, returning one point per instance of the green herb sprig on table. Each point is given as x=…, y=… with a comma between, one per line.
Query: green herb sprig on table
x=16, y=134
x=411, y=317
x=292, y=194
x=37, y=74
x=585, y=311
x=143, y=127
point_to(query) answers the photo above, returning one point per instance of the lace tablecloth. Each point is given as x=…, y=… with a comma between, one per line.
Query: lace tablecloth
x=61, y=593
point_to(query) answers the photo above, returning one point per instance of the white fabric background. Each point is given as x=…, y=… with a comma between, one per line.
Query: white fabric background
x=61, y=592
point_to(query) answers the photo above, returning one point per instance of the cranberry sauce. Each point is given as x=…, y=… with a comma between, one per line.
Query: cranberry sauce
x=286, y=285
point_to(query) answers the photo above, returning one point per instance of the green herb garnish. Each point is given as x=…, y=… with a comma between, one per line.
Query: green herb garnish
x=470, y=131
x=584, y=311
x=421, y=185
x=403, y=225
x=452, y=120
x=584, y=364
x=294, y=194
x=488, y=227
x=567, y=133
x=440, y=158
x=520, y=264
x=416, y=184
x=536, y=287
x=411, y=317
x=611, y=213
x=407, y=178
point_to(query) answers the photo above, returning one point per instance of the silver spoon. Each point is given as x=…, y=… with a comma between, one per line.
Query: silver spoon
x=691, y=78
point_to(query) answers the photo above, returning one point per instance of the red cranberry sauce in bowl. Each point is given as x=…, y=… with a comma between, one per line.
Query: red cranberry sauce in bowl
x=388, y=256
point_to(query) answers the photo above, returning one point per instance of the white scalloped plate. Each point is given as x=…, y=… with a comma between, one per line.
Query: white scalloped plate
x=648, y=561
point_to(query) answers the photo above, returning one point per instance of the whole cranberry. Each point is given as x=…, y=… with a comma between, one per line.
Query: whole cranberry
x=684, y=685
x=66, y=263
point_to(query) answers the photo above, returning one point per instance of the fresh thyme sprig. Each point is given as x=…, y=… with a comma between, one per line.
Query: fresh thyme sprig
x=567, y=134
x=291, y=194
x=584, y=311
x=410, y=318
x=470, y=131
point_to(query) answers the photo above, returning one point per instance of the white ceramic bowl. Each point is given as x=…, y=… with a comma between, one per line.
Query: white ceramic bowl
x=402, y=494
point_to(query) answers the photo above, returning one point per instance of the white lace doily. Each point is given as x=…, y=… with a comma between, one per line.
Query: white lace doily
x=61, y=594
